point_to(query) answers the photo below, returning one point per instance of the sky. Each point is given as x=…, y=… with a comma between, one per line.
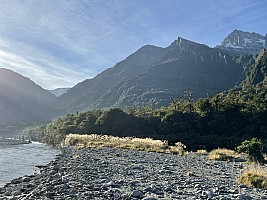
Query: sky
x=58, y=43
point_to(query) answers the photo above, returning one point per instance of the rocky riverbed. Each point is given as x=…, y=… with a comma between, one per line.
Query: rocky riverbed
x=92, y=173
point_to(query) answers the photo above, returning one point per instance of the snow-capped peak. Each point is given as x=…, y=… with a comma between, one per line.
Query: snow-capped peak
x=239, y=42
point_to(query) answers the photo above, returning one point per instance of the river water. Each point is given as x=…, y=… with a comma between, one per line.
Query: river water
x=19, y=160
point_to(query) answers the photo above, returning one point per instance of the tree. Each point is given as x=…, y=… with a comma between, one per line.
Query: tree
x=254, y=148
x=115, y=122
x=189, y=98
x=203, y=106
x=217, y=100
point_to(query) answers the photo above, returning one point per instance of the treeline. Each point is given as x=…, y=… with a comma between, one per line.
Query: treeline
x=223, y=120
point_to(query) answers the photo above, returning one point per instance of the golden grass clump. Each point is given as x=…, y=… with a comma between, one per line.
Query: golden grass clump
x=143, y=144
x=255, y=177
x=202, y=152
x=223, y=154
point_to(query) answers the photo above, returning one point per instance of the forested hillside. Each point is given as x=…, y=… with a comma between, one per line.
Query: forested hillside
x=223, y=120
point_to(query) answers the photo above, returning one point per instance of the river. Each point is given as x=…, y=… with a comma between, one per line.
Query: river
x=19, y=160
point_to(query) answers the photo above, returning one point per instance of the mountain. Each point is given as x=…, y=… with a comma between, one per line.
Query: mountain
x=59, y=91
x=258, y=71
x=21, y=100
x=243, y=43
x=84, y=94
x=154, y=75
x=186, y=66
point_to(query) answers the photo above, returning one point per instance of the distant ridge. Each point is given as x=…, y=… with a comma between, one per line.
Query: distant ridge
x=59, y=91
x=21, y=100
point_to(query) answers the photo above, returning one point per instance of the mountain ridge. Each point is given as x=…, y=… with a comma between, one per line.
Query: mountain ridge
x=185, y=61
x=152, y=71
x=153, y=75
x=93, y=89
x=258, y=71
x=21, y=99
x=59, y=91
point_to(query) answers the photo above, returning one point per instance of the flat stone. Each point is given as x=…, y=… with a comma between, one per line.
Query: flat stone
x=149, y=198
x=25, y=179
x=137, y=194
x=244, y=197
x=16, y=181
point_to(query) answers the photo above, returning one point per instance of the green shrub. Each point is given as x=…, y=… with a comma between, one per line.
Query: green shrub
x=254, y=149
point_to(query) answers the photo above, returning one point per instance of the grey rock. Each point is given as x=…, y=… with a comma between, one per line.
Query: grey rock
x=16, y=181
x=233, y=191
x=208, y=194
x=25, y=179
x=244, y=197
x=149, y=198
x=137, y=194
x=242, y=186
x=16, y=193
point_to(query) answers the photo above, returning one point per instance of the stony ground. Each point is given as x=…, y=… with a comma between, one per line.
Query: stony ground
x=123, y=174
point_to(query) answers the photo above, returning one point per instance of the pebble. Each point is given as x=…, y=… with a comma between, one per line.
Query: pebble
x=137, y=194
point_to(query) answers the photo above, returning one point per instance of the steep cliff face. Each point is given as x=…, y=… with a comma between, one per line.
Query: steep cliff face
x=243, y=43
x=21, y=100
x=258, y=71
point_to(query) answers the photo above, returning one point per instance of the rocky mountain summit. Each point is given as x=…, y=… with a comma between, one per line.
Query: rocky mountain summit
x=243, y=43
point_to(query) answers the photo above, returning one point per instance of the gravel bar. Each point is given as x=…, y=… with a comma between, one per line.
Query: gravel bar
x=105, y=173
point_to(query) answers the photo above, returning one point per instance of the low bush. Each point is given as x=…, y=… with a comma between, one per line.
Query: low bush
x=254, y=177
x=223, y=155
x=254, y=149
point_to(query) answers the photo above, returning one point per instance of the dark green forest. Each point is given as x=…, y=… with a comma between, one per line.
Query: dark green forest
x=223, y=120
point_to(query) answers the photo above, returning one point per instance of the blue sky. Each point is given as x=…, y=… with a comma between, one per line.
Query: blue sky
x=58, y=43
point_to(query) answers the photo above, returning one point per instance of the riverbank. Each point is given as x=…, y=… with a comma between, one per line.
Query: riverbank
x=93, y=173
x=12, y=141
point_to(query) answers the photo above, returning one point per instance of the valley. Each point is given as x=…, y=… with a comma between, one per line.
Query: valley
x=186, y=93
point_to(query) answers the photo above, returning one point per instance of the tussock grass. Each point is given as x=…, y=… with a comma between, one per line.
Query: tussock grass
x=255, y=177
x=223, y=155
x=143, y=144
x=202, y=152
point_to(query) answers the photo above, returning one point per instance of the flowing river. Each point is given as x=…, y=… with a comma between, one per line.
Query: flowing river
x=19, y=160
